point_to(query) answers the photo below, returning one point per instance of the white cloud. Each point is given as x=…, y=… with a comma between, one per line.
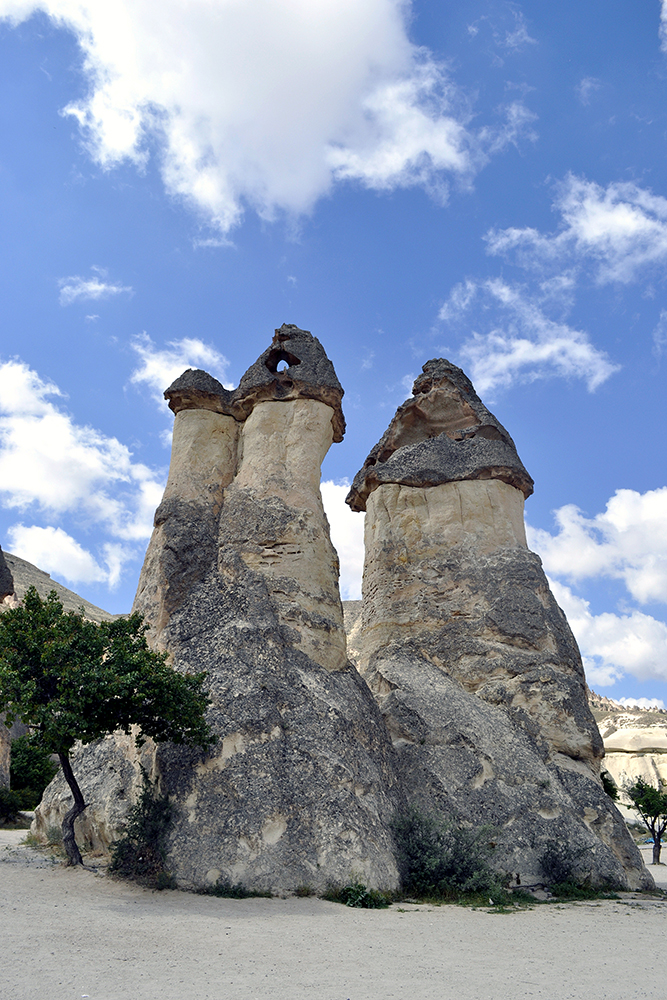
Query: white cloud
x=53, y=466
x=628, y=541
x=620, y=231
x=508, y=28
x=54, y=551
x=347, y=535
x=663, y=25
x=267, y=105
x=660, y=334
x=160, y=367
x=517, y=36
x=642, y=702
x=587, y=88
x=76, y=288
x=523, y=343
x=612, y=645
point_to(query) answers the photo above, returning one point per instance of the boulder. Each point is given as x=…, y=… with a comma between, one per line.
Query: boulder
x=471, y=660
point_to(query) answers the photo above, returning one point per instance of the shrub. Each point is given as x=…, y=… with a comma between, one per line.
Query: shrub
x=438, y=858
x=140, y=853
x=10, y=806
x=226, y=890
x=31, y=770
x=357, y=894
x=609, y=785
x=561, y=864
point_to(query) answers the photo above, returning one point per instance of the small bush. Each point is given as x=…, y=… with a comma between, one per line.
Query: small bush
x=54, y=836
x=609, y=785
x=357, y=894
x=561, y=864
x=10, y=806
x=140, y=854
x=226, y=890
x=31, y=770
x=439, y=858
x=304, y=890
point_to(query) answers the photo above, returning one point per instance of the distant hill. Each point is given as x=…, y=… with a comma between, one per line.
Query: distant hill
x=26, y=575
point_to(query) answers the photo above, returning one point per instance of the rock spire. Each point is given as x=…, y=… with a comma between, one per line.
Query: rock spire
x=241, y=579
x=470, y=658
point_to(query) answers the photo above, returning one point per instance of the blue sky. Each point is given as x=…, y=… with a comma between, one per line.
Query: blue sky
x=481, y=180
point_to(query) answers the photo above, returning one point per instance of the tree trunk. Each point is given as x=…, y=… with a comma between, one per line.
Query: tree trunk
x=656, y=849
x=69, y=843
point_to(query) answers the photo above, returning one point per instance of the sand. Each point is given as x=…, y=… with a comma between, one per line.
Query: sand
x=67, y=934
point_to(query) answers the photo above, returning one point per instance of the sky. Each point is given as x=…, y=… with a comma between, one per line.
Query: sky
x=480, y=180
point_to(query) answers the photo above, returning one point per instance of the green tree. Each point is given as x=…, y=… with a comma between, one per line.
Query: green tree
x=31, y=770
x=651, y=804
x=70, y=679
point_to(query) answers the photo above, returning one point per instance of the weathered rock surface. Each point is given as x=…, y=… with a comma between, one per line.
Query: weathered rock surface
x=241, y=580
x=26, y=574
x=470, y=658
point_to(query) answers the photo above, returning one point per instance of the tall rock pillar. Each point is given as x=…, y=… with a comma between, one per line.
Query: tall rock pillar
x=470, y=658
x=241, y=580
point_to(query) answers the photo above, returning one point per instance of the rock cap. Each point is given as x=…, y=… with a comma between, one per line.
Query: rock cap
x=442, y=434
x=309, y=374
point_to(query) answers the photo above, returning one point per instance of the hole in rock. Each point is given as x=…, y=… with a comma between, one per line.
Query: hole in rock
x=276, y=357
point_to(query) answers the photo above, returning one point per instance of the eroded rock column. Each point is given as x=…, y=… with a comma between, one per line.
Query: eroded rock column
x=241, y=580
x=470, y=658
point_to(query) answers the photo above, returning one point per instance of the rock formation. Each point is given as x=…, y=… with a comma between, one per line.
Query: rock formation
x=635, y=743
x=470, y=658
x=241, y=579
x=477, y=679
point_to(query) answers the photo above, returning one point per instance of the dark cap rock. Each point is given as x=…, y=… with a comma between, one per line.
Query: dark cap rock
x=295, y=366
x=197, y=390
x=442, y=434
x=308, y=374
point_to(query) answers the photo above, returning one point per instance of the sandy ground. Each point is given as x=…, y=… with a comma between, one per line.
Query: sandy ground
x=67, y=934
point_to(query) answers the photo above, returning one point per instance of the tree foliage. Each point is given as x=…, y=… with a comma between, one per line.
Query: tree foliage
x=651, y=804
x=72, y=680
x=31, y=770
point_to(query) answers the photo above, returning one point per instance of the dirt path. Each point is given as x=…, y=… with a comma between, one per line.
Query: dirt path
x=69, y=934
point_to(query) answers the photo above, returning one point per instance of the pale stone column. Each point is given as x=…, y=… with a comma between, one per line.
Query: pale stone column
x=182, y=546
x=287, y=541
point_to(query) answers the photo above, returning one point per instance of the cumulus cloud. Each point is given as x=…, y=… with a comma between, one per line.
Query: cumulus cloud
x=160, y=366
x=611, y=644
x=627, y=541
x=347, y=535
x=76, y=288
x=620, y=232
x=268, y=104
x=54, y=551
x=52, y=466
x=521, y=342
x=642, y=702
x=663, y=25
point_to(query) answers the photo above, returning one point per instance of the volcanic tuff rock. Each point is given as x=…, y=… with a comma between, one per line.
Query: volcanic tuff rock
x=470, y=658
x=635, y=742
x=241, y=579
